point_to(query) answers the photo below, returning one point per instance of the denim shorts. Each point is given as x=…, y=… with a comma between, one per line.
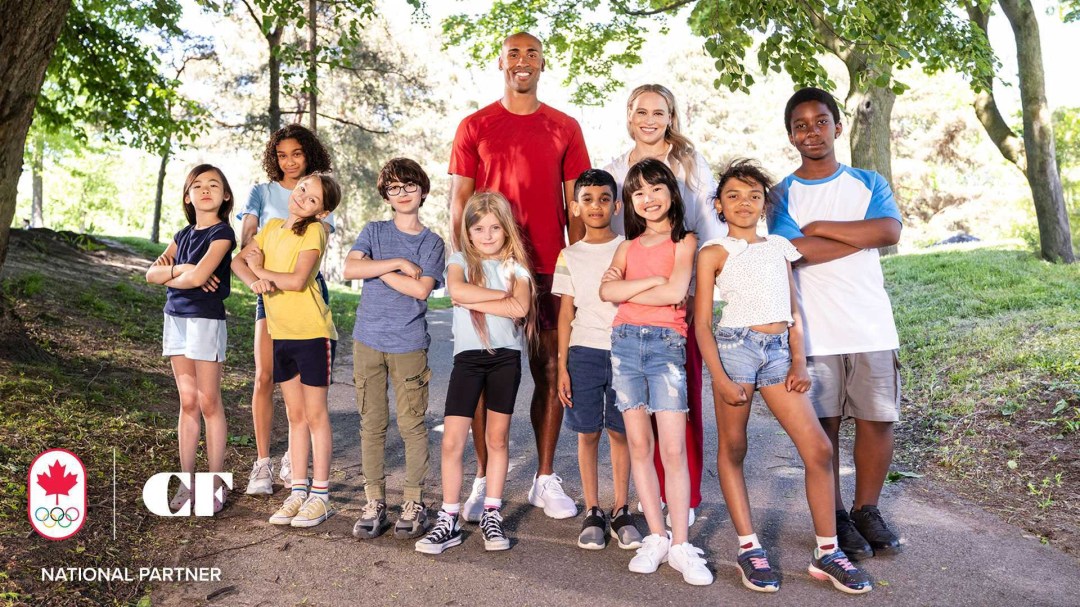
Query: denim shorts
x=590, y=389
x=752, y=357
x=648, y=368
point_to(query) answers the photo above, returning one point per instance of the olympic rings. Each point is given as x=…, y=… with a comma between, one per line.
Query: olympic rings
x=50, y=518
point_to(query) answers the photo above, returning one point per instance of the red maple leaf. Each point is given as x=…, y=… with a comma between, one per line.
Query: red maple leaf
x=57, y=481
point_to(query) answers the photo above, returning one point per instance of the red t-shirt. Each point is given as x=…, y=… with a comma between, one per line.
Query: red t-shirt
x=527, y=159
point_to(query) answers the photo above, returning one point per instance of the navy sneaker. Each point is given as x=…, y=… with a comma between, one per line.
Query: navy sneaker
x=870, y=524
x=838, y=569
x=757, y=574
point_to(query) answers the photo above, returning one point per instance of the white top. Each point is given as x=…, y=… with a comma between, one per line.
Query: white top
x=754, y=281
x=697, y=196
x=502, y=332
x=844, y=304
x=577, y=274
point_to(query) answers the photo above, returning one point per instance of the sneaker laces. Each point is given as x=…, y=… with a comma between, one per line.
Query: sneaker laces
x=491, y=525
x=410, y=510
x=371, y=510
x=875, y=520
x=442, y=529
x=295, y=497
x=693, y=554
x=310, y=508
x=553, y=486
x=841, y=560
x=259, y=470
x=760, y=563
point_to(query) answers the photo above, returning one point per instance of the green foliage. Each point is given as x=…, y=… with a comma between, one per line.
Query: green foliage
x=875, y=38
x=105, y=74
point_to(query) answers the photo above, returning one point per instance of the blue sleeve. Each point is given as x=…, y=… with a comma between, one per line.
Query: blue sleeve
x=254, y=204
x=363, y=240
x=224, y=231
x=434, y=260
x=778, y=218
x=882, y=203
x=331, y=221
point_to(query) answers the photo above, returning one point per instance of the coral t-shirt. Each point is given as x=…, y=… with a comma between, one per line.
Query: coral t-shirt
x=525, y=158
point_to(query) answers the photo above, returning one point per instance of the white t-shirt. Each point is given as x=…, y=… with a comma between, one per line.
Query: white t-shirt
x=502, y=332
x=700, y=215
x=843, y=302
x=754, y=281
x=577, y=274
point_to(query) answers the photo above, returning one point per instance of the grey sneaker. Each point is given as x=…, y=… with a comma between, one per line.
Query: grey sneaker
x=372, y=520
x=261, y=479
x=285, y=473
x=413, y=521
x=623, y=529
x=593, y=530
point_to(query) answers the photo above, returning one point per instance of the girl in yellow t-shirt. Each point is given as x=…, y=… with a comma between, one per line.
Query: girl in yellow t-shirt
x=280, y=264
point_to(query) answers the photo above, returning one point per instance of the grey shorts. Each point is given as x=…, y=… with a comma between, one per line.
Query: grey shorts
x=865, y=385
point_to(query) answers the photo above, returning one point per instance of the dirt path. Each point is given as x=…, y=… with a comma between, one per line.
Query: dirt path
x=955, y=553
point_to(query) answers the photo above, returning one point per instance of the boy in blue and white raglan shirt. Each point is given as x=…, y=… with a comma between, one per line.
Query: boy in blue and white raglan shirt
x=837, y=217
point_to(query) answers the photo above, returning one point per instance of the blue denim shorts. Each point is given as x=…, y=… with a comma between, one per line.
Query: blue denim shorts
x=752, y=357
x=648, y=368
x=590, y=389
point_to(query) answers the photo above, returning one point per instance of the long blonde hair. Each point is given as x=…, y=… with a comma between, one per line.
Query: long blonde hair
x=512, y=253
x=682, y=150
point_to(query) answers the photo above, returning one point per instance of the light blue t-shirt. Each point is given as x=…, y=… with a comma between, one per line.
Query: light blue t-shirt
x=387, y=320
x=271, y=201
x=503, y=332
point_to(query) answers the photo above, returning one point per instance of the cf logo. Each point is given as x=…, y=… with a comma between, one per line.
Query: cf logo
x=155, y=492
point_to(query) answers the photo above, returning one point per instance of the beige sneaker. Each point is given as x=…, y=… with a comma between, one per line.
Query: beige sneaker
x=289, y=509
x=314, y=511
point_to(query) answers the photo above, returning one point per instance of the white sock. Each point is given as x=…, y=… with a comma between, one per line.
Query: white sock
x=492, y=503
x=825, y=545
x=748, y=542
x=262, y=460
x=453, y=509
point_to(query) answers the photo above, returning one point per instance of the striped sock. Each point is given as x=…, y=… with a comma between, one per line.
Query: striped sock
x=320, y=489
x=300, y=486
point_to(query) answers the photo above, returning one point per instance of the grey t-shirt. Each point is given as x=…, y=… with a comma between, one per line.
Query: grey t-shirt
x=386, y=320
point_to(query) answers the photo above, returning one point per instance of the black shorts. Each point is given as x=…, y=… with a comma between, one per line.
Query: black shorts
x=496, y=375
x=311, y=359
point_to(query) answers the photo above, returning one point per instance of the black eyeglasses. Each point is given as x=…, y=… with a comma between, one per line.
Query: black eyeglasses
x=397, y=190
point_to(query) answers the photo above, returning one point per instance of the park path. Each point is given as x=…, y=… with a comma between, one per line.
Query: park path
x=955, y=553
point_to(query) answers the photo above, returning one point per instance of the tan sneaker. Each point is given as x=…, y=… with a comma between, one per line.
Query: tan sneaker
x=314, y=511
x=289, y=509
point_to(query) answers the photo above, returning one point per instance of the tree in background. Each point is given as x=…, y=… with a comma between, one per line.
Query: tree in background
x=1033, y=152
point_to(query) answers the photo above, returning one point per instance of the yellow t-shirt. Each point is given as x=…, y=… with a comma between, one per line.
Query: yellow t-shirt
x=294, y=314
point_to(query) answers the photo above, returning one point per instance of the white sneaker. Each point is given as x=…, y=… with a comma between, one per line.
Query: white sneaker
x=686, y=559
x=261, y=479
x=473, y=507
x=692, y=519
x=653, y=551
x=547, y=493
x=286, y=469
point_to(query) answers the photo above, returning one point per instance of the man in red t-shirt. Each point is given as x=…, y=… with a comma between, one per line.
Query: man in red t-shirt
x=532, y=154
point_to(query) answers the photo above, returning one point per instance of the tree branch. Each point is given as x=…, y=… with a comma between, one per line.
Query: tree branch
x=986, y=109
x=302, y=111
x=621, y=6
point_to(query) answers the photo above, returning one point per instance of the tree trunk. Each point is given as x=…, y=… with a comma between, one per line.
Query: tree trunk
x=274, y=40
x=31, y=30
x=155, y=229
x=313, y=73
x=37, y=164
x=870, y=129
x=1055, y=239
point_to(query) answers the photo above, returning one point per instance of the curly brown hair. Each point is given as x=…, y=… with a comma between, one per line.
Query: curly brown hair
x=316, y=157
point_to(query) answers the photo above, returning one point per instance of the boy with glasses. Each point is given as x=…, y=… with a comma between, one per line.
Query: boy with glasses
x=401, y=262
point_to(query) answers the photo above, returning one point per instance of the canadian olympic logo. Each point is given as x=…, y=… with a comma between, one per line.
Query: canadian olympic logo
x=56, y=494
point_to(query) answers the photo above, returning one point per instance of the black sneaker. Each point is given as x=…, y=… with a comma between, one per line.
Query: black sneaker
x=838, y=569
x=870, y=524
x=445, y=534
x=593, y=530
x=492, y=529
x=852, y=543
x=623, y=529
x=757, y=574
